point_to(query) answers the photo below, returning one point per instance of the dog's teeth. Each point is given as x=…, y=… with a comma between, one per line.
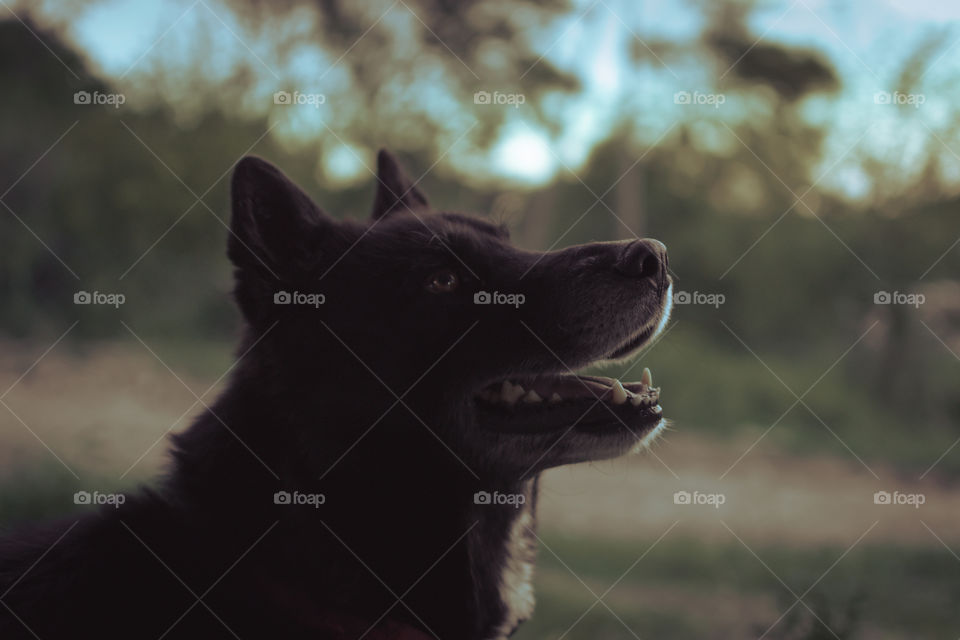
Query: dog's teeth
x=637, y=400
x=532, y=397
x=647, y=377
x=510, y=393
x=619, y=393
x=555, y=397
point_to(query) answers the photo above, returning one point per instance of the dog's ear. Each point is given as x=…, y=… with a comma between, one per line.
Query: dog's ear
x=395, y=190
x=274, y=224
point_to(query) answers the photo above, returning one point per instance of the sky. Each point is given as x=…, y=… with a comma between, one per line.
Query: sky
x=867, y=41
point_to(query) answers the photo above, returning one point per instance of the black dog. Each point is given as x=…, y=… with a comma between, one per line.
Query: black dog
x=371, y=470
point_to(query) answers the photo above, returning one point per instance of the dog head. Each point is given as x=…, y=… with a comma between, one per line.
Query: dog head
x=437, y=318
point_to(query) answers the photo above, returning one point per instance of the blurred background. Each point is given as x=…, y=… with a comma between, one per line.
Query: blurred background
x=799, y=159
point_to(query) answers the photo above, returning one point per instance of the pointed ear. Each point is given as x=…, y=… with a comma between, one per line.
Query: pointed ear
x=395, y=190
x=275, y=225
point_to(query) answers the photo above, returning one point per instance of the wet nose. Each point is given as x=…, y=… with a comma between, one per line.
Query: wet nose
x=643, y=259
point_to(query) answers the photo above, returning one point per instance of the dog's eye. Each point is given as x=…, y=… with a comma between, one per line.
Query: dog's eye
x=443, y=281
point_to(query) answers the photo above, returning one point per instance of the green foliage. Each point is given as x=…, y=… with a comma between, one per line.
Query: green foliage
x=109, y=203
x=904, y=592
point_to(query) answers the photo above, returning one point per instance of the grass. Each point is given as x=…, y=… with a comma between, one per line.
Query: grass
x=41, y=488
x=682, y=588
x=678, y=588
x=686, y=589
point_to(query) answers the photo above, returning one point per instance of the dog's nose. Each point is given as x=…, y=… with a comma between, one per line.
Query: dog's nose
x=643, y=259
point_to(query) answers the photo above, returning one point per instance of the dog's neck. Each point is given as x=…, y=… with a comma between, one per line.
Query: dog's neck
x=392, y=535
x=511, y=539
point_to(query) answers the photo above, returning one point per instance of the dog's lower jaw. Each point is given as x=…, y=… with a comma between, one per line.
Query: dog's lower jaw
x=650, y=437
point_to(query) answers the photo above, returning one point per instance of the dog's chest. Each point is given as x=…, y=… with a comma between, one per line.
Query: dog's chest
x=516, y=574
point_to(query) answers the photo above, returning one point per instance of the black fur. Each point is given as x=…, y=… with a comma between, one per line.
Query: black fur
x=369, y=400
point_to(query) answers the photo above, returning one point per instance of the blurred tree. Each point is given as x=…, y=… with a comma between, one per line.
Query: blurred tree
x=714, y=189
x=412, y=68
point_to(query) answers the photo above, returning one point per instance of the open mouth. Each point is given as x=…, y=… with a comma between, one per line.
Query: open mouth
x=594, y=404
x=557, y=389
